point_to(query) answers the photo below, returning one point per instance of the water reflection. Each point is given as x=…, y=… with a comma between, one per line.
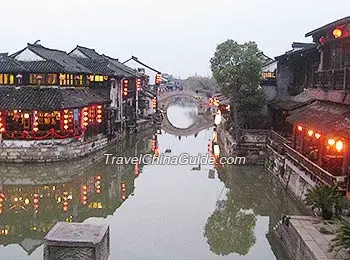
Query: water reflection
x=182, y=112
x=176, y=213
x=34, y=198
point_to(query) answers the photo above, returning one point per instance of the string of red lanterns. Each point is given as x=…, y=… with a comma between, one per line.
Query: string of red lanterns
x=339, y=144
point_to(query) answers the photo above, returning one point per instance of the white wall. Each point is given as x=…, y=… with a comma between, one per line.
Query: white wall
x=133, y=64
x=28, y=55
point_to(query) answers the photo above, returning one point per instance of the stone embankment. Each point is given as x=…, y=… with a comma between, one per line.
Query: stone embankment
x=308, y=238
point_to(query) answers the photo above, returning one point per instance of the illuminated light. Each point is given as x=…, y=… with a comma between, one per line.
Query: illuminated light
x=15, y=199
x=310, y=133
x=36, y=129
x=339, y=146
x=318, y=136
x=216, y=150
x=86, y=118
x=99, y=121
x=2, y=130
x=65, y=208
x=337, y=33
x=215, y=138
x=331, y=142
x=36, y=201
x=86, y=113
x=300, y=128
x=26, y=201
x=0, y=124
x=99, y=111
x=36, y=123
x=15, y=111
x=59, y=199
x=98, y=191
x=70, y=197
x=217, y=119
x=65, y=116
x=99, y=107
x=65, y=121
x=123, y=197
x=66, y=127
x=26, y=115
x=53, y=188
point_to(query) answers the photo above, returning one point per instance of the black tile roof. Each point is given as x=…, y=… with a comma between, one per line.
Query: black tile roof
x=48, y=99
x=8, y=64
x=90, y=53
x=42, y=66
x=96, y=66
x=329, y=26
x=120, y=68
x=69, y=64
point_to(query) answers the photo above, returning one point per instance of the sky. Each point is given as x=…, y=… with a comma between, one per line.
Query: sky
x=177, y=37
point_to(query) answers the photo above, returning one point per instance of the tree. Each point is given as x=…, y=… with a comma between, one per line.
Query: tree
x=236, y=68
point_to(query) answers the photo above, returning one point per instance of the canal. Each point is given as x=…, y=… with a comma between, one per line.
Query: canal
x=155, y=211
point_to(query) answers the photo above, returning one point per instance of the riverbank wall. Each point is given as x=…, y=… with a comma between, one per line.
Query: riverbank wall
x=308, y=238
x=46, y=151
x=252, y=145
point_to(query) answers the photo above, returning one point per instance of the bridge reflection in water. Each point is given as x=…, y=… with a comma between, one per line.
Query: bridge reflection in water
x=155, y=211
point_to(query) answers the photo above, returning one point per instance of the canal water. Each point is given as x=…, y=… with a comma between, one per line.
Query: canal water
x=155, y=212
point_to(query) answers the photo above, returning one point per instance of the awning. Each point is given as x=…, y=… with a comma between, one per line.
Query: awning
x=323, y=116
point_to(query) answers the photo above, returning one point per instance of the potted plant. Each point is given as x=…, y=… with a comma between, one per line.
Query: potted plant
x=323, y=198
x=342, y=239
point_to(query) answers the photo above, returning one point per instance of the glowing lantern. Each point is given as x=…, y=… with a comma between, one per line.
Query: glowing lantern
x=84, y=195
x=216, y=150
x=125, y=87
x=331, y=142
x=209, y=146
x=154, y=103
x=158, y=78
x=26, y=116
x=85, y=118
x=300, y=128
x=218, y=118
x=339, y=146
x=66, y=121
x=2, y=128
x=35, y=121
x=123, y=190
x=136, y=169
x=98, y=184
x=310, y=133
x=99, y=114
x=138, y=84
x=337, y=33
x=36, y=201
x=215, y=137
x=318, y=136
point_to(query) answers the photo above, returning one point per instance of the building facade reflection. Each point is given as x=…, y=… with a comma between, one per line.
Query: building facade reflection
x=31, y=206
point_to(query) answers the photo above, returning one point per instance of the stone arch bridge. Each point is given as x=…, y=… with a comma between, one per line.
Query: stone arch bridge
x=204, y=120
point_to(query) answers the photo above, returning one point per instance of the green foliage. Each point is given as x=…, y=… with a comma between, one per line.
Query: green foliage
x=342, y=239
x=236, y=68
x=200, y=83
x=322, y=197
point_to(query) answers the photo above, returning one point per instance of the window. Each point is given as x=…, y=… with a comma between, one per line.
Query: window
x=48, y=120
x=37, y=79
x=51, y=79
x=7, y=79
x=18, y=120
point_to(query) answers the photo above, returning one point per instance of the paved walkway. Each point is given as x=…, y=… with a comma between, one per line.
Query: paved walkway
x=319, y=243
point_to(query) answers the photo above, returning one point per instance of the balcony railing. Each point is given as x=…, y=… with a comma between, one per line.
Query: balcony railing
x=338, y=79
x=317, y=173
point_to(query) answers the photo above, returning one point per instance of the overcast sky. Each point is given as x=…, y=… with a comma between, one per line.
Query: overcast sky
x=178, y=37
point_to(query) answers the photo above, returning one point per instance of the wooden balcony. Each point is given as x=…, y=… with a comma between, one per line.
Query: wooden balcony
x=316, y=173
x=338, y=79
